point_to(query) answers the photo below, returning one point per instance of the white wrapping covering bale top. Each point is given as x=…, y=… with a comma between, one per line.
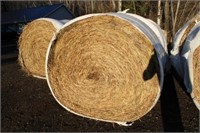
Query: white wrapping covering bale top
x=185, y=57
x=33, y=44
x=108, y=66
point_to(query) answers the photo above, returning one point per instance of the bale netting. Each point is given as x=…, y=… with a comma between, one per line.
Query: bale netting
x=33, y=44
x=107, y=67
x=185, y=57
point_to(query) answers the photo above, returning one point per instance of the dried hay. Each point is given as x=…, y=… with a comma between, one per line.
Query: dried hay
x=104, y=68
x=196, y=72
x=33, y=44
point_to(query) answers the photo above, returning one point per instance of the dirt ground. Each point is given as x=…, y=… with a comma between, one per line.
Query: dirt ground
x=27, y=105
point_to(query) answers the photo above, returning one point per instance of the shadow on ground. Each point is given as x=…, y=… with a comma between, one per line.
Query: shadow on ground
x=171, y=115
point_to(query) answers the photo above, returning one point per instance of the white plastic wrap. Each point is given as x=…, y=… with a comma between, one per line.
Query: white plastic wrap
x=175, y=53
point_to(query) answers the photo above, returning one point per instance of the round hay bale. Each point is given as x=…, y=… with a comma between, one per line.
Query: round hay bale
x=190, y=59
x=33, y=44
x=186, y=60
x=105, y=66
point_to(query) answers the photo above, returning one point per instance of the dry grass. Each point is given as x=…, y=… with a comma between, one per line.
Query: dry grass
x=96, y=68
x=196, y=72
x=33, y=44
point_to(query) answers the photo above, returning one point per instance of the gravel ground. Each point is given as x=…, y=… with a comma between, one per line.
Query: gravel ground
x=27, y=105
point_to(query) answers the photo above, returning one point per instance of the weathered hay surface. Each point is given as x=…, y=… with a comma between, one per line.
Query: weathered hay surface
x=33, y=44
x=96, y=69
x=196, y=72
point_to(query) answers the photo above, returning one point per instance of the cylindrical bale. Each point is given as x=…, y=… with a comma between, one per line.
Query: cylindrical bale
x=107, y=67
x=33, y=44
x=188, y=55
x=190, y=59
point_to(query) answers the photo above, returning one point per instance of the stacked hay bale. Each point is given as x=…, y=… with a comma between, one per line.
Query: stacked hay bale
x=107, y=67
x=33, y=44
x=185, y=57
